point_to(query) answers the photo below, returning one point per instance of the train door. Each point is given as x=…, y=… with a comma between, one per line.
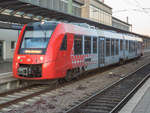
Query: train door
x=101, y=52
x=1, y=50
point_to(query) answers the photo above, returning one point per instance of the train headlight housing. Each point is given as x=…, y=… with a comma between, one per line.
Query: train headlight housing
x=18, y=57
x=41, y=58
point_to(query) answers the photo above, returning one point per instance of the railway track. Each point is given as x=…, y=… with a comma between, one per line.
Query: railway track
x=114, y=97
x=19, y=95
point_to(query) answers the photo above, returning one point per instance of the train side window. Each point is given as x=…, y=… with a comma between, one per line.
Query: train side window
x=87, y=45
x=126, y=44
x=139, y=45
x=117, y=47
x=94, y=45
x=112, y=47
x=64, y=43
x=129, y=46
x=107, y=47
x=121, y=45
x=134, y=46
x=78, y=45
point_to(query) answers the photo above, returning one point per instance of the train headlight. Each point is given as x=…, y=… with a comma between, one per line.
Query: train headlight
x=41, y=58
x=18, y=57
x=43, y=22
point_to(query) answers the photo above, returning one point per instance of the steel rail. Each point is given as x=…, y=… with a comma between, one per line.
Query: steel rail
x=112, y=98
x=15, y=101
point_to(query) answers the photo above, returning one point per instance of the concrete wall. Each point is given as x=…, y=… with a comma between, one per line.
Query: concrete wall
x=8, y=52
x=7, y=36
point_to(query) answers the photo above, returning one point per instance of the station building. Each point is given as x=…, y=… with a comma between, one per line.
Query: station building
x=121, y=24
x=8, y=38
x=95, y=10
x=66, y=6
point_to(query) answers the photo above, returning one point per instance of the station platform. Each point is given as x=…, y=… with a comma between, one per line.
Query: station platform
x=7, y=81
x=5, y=67
x=146, y=50
x=140, y=102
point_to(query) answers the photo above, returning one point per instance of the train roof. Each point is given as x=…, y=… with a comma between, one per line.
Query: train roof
x=85, y=29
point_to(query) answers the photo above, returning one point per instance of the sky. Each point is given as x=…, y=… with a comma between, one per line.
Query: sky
x=138, y=12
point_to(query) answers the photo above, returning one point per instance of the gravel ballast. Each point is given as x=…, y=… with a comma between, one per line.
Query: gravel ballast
x=61, y=99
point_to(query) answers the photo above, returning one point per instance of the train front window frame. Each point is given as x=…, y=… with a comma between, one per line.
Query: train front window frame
x=36, y=36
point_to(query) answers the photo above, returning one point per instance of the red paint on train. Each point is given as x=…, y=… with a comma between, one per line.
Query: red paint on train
x=55, y=62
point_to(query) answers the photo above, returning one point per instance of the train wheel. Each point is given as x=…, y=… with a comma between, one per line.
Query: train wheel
x=121, y=62
x=68, y=76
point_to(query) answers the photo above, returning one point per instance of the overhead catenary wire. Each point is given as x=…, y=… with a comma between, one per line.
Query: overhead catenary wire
x=127, y=10
x=140, y=7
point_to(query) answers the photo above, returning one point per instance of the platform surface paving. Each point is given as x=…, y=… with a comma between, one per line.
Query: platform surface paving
x=140, y=102
x=5, y=67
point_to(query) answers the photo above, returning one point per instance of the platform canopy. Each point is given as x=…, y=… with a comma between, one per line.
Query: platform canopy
x=16, y=11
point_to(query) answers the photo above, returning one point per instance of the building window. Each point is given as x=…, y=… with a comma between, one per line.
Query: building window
x=76, y=9
x=112, y=47
x=64, y=43
x=12, y=44
x=78, y=45
x=95, y=45
x=121, y=45
x=87, y=45
x=117, y=47
x=63, y=5
x=99, y=15
x=107, y=47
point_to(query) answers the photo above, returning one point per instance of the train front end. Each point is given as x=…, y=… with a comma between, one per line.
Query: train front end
x=31, y=60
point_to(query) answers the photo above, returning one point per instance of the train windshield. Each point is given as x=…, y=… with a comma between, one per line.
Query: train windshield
x=36, y=38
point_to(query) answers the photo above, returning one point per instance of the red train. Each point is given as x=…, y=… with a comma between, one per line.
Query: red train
x=52, y=50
